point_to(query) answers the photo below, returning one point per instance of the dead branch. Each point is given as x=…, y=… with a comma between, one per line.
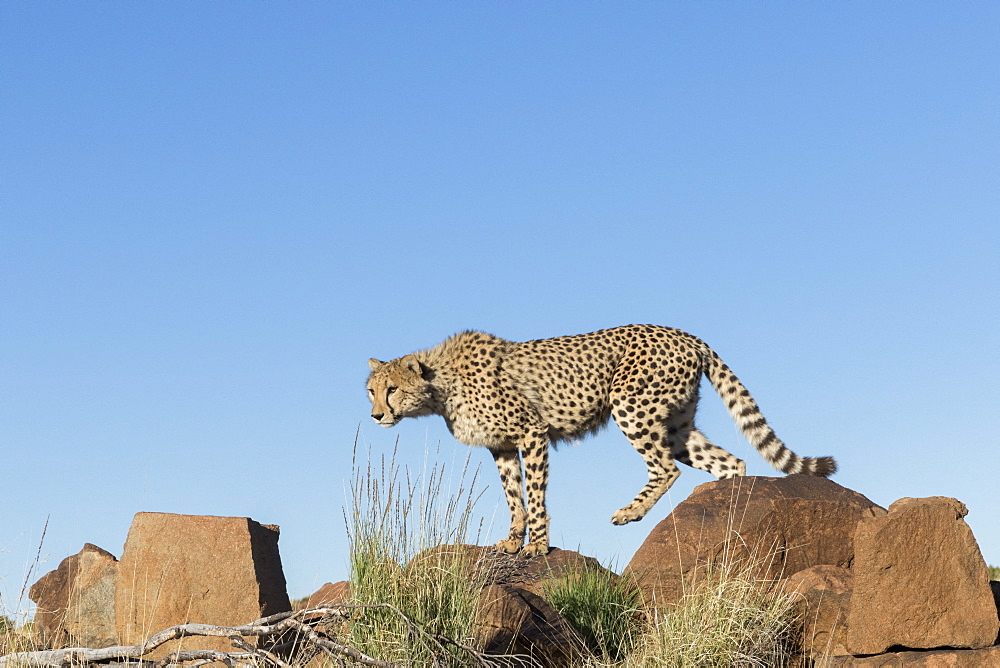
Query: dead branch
x=305, y=627
x=274, y=625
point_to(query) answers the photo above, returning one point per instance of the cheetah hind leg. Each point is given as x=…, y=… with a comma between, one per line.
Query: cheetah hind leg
x=689, y=446
x=702, y=454
x=662, y=474
x=663, y=471
x=654, y=449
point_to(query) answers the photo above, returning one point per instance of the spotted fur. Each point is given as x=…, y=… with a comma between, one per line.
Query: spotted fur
x=518, y=398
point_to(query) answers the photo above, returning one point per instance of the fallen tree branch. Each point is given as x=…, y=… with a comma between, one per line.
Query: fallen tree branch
x=275, y=625
x=304, y=625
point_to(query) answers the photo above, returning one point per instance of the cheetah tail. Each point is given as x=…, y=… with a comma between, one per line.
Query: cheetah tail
x=748, y=418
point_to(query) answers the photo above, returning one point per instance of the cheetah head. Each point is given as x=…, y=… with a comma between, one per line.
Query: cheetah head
x=397, y=389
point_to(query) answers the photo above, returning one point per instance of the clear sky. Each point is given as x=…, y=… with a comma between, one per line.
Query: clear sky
x=213, y=214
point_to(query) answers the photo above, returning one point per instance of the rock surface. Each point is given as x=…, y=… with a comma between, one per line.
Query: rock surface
x=920, y=581
x=331, y=593
x=558, y=563
x=511, y=620
x=76, y=602
x=189, y=568
x=963, y=658
x=823, y=599
x=868, y=581
x=781, y=525
x=487, y=565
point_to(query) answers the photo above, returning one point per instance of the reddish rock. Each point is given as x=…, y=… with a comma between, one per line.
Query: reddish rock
x=187, y=568
x=961, y=658
x=558, y=563
x=513, y=617
x=920, y=581
x=823, y=598
x=76, y=602
x=778, y=525
x=465, y=557
x=487, y=565
x=331, y=593
x=511, y=620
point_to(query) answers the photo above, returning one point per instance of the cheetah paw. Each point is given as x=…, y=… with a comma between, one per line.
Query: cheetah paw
x=535, y=549
x=627, y=514
x=509, y=545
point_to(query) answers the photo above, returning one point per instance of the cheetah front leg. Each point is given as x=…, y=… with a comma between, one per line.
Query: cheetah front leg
x=509, y=465
x=536, y=475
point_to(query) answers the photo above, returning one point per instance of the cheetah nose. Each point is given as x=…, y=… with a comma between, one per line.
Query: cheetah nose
x=378, y=416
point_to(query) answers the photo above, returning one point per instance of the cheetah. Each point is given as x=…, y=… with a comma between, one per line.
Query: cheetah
x=518, y=398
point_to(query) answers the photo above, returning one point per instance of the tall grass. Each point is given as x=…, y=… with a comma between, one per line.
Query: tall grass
x=16, y=633
x=13, y=639
x=604, y=608
x=394, y=517
x=728, y=619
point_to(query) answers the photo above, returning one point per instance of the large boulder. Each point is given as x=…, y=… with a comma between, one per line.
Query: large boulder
x=533, y=574
x=777, y=526
x=187, y=568
x=511, y=620
x=920, y=581
x=75, y=603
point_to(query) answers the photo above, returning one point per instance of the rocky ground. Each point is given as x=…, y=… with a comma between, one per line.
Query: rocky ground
x=903, y=586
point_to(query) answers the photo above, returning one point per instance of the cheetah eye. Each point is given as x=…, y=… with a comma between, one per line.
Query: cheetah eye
x=371, y=391
x=391, y=390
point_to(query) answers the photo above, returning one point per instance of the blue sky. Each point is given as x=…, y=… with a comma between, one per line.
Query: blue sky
x=212, y=215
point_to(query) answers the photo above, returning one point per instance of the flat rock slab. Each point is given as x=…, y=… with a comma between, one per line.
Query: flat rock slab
x=177, y=569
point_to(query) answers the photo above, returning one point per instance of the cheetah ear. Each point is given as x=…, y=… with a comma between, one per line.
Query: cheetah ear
x=410, y=362
x=375, y=364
